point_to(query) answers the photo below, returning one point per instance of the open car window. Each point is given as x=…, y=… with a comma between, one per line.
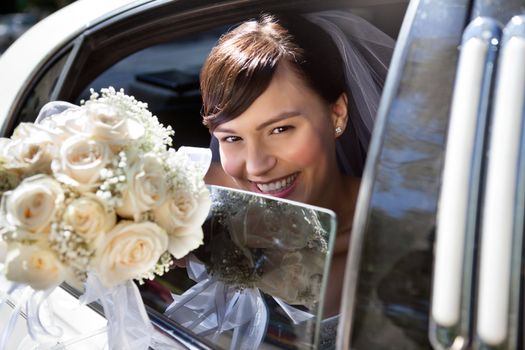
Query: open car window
x=166, y=77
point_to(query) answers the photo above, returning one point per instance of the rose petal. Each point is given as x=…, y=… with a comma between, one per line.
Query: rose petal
x=180, y=245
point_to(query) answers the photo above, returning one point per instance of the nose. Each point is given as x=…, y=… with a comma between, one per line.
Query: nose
x=259, y=160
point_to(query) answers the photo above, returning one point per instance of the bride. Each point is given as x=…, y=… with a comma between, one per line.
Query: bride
x=291, y=101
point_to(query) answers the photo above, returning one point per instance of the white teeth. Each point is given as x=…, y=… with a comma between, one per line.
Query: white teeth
x=277, y=185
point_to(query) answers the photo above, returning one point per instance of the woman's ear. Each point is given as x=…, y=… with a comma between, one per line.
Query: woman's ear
x=340, y=114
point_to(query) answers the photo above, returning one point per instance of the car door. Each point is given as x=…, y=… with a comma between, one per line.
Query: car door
x=405, y=229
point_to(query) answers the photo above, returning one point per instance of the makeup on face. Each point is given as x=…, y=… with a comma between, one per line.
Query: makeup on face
x=283, y=145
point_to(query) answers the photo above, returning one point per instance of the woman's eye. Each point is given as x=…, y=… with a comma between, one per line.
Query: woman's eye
x=280, y=129
x=231, y=139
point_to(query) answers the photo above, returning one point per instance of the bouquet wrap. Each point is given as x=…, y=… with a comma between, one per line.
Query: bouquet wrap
x=38, y=312
x=128, y=324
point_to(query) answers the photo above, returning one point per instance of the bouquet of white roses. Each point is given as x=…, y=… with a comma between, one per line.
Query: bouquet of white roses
x=97, y=191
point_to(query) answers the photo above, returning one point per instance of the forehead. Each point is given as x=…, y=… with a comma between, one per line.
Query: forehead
x=285, y=87
x=287, y=92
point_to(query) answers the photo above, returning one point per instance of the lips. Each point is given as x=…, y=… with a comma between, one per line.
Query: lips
x=281, y=187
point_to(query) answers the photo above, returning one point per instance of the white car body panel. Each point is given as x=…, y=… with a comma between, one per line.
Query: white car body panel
x=33, y=48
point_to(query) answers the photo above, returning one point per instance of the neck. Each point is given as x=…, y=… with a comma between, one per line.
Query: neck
x=342, y=201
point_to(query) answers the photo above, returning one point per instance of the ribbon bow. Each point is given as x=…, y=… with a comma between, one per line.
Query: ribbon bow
x=213, y=307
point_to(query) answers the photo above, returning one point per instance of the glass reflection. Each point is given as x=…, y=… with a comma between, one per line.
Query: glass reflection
x=259, y=278
x=393, y=290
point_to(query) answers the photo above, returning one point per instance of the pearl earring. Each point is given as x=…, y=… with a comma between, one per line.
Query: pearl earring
x=338, y=130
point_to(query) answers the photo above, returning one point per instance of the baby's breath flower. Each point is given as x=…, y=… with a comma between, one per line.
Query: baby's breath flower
x=113, y=180
x=163, y=266
x=71, y=248
x=182, y=173
x=156, y=137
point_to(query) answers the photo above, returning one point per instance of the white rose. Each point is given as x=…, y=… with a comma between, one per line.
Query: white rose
x=31, y=205
x=3, y=250
x=33, y=265
x=89, y=217
x=129, y=250
x=146, y=187
x=65, y=124
x=182, y=215
x=109, y=124
x=5, y=157
x=80, y=162
x=31, y=149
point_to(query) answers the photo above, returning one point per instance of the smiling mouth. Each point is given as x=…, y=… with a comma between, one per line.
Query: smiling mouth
x=276, y=186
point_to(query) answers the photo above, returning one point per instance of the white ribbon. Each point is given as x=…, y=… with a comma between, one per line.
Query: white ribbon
x=39, y=315
x=40, y=318
x=128, y=324
x=212, y=307
x=200, y=158
x=9, y=327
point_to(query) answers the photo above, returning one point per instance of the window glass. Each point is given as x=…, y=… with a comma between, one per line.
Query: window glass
x=260, y=274
x=40, y=94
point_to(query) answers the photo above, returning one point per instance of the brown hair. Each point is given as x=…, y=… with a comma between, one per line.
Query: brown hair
x=242, y=64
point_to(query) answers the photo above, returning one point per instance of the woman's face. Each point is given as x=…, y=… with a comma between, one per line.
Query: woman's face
x=284, y=144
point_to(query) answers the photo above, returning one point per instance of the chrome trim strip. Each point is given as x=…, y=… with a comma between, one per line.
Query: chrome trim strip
x=458, y=202
x=502, y=229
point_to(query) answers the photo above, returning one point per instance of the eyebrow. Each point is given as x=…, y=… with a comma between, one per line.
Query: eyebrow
x=277, y=118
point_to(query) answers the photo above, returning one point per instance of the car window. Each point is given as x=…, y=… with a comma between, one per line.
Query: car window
x=41, y=90
x=166, y=76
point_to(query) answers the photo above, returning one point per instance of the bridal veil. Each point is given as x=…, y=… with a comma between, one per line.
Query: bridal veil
x=366, y=52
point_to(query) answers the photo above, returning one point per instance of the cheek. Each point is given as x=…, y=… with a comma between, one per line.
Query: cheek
x=232, y=163
x=309, y=151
